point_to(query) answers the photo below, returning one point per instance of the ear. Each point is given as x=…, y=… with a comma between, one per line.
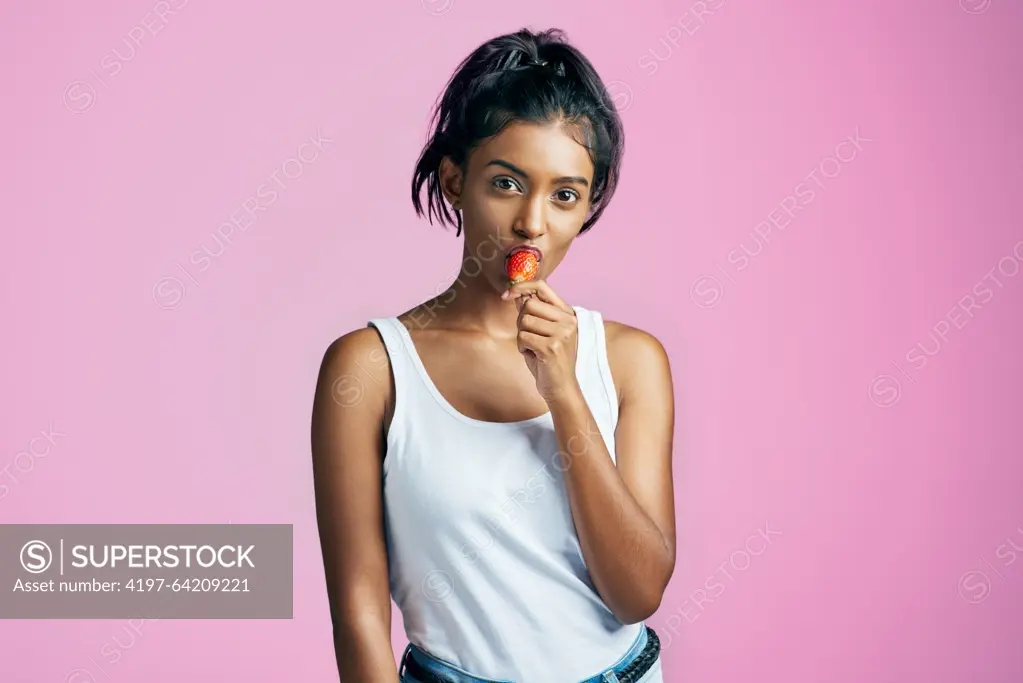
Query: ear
x=451, y=180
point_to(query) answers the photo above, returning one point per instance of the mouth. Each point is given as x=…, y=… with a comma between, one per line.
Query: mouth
x=531, y=249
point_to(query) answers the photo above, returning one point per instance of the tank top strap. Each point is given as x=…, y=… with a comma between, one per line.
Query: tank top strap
x=403, y=369
x=603, y=365
x=393, y=342
x=593, y=359
x=584, y=321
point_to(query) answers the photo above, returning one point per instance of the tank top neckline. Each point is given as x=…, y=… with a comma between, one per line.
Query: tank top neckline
x=417, y=362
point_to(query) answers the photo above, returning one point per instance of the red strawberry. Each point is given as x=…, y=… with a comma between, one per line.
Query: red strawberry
x=521, y=266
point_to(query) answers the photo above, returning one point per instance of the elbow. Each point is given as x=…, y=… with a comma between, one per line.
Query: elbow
x=642, y=606
x=638, y=612
x=646, y=603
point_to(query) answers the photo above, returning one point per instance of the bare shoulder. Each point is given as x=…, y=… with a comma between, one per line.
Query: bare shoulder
x=626, y=342
x=631, y=338
x=358, y=352
x=356, y=370
x=353, y=346
x=637, y=358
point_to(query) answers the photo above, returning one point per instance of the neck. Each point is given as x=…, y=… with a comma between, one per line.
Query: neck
x=472, y=302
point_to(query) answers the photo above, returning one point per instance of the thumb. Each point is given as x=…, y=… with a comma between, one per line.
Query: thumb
x=520, y=301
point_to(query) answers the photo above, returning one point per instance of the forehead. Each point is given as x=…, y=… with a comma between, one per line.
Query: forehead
x=542, y=150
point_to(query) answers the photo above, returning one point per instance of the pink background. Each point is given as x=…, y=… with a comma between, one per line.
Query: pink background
x=836, y=391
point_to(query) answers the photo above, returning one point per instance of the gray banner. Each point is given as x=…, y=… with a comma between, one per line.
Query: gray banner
x=146, y=571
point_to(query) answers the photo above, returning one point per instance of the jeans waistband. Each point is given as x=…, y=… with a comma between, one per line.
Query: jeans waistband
x=458, y=675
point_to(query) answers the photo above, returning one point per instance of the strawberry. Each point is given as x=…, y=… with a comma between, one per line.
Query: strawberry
x=521, y=266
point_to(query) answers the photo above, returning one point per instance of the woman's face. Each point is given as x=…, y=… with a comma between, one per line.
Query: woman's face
x=530, y=184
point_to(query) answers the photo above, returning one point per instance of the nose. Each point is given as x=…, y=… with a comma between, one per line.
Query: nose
x=532, y=220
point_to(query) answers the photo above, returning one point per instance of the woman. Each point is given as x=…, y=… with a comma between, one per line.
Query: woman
x=495, y=459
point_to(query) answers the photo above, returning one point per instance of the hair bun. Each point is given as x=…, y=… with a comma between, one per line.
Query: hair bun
x=521, y=57
x=531, y=62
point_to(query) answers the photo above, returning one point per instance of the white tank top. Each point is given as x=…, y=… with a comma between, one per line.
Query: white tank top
x=484, y=560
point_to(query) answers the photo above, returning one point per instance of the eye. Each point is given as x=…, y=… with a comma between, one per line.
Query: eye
x=572, y=195
x=505, y=183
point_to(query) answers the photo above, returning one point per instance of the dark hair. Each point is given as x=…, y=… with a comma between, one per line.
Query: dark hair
x=524, y=76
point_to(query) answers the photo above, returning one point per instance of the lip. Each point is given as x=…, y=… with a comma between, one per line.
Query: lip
x=526, y=247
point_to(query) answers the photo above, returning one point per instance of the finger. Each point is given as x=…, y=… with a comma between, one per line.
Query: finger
x=520, y=302
x=535, y=306
x=531, y=323
x=547, y=293
x=531, y=287
x=530, y=341
x=540, y=289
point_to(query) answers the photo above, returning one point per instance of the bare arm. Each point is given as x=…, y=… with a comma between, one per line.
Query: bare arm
x=625, y=515
x=347, y=449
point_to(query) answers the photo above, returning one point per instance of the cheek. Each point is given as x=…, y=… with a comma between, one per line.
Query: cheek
x=558, y=248
x=567, y=223
x=484, y=216
x=489, y=251
x=491, y=211
x=552, y=258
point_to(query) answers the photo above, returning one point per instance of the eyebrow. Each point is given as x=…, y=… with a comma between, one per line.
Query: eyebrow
x=515, y=169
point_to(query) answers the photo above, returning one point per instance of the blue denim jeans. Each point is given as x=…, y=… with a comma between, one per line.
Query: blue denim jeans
x=458, y=675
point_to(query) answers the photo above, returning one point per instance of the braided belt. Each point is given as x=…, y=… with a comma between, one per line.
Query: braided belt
x=630, y=673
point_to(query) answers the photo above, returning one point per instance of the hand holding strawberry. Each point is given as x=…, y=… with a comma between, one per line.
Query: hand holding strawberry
x=548, y=337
